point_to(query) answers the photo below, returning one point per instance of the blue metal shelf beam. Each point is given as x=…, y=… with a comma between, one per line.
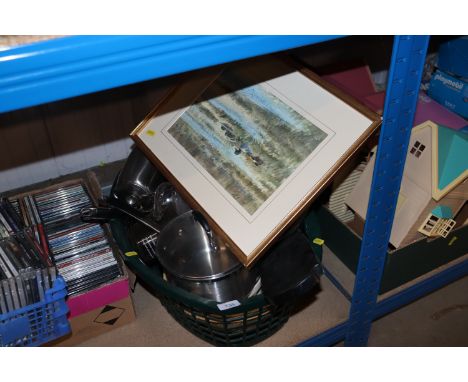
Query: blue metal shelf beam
x=421, y=289
x=71, y=66
x=392, y=303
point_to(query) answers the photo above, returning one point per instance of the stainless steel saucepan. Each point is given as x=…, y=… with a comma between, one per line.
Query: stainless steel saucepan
x=196, y=260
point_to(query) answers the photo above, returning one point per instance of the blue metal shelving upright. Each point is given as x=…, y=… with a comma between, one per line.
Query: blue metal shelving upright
x=71, y=66
x=404, y=79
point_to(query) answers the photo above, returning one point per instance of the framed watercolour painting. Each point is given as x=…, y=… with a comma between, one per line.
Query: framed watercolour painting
x=252, y=145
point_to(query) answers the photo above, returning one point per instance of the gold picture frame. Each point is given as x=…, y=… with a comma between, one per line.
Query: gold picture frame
x=252, y=145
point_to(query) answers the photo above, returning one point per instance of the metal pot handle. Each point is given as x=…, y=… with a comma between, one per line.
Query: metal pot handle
x=103, y=214
x=202, y=220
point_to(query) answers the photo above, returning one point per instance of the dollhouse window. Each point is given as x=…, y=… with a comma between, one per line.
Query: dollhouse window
x=417, y=149
x=435, y=226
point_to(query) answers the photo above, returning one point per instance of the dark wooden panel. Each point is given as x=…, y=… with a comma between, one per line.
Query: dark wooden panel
x=23, y=138
x=148, y=94
x=88, y=121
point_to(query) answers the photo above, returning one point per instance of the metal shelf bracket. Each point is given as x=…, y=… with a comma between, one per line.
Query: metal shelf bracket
x=406, y=68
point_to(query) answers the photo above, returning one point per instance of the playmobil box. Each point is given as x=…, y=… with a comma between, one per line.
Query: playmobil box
x=452, y=92
x=453, y=57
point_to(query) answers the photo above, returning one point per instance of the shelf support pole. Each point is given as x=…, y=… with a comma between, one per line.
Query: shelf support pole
x=403, y=83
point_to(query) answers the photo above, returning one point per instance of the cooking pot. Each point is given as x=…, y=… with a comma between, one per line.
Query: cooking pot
x=133, y=188
x=197, y=261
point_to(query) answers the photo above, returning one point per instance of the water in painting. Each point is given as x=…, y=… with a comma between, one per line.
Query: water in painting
x=248, y=140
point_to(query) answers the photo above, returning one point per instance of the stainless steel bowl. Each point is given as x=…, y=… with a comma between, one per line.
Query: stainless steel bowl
x=136, y=183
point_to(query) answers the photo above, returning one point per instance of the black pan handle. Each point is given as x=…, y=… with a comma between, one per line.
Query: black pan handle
x=98, y=214
x=202, y=220
x=104, y=214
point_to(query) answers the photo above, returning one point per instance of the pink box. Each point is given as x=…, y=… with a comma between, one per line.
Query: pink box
x=356, y=81
x=430, y=110
x=426, y=110
x=104, y=295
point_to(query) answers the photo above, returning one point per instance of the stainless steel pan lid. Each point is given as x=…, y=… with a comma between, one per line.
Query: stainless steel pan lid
x=187, y=248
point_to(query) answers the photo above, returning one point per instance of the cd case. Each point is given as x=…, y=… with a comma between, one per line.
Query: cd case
x=83, y=254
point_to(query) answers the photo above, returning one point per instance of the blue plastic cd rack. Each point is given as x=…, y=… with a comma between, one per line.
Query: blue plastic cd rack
x=38, y=323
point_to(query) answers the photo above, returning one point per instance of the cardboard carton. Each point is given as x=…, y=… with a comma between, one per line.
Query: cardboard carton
x=401, y=265
x=450, y=91
x=98, y=311
x=453, y=57
x=98, y=321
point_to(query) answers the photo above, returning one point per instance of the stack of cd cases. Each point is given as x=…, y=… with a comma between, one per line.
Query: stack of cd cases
x=82, y=252
x=10, y=222
x=26, y=272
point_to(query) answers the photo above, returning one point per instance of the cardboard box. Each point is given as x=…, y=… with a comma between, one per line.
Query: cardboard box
x=358, y=83
x=426, y=110
x=355, y=81
x=98, y=321
x=450, y=91
x=453, y=57
x=105, y=307
x=401, y=265
x=429, y=110
x=98, y=311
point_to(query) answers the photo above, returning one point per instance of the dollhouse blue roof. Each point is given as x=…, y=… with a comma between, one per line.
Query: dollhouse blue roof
x=443, y=212
x=452, y=155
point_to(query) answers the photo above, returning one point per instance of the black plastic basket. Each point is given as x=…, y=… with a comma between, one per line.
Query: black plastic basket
x=251, y=322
